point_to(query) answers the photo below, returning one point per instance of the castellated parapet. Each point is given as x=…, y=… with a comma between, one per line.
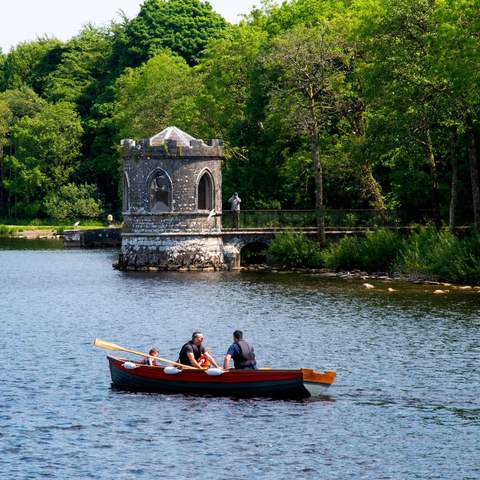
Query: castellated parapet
x=172, y=203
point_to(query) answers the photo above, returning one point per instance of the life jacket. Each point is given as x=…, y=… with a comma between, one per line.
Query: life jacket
x=246, y=358
x=149, y=361
x=197, y=353
x=203, y=361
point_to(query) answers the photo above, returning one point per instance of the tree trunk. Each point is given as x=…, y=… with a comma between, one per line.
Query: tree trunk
x=452, y=216
x=434, y=175
x=319, y=206
x=371, y=189
x=473, y=160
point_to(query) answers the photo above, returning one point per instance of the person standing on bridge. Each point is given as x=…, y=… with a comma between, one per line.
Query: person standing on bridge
x=235, y=202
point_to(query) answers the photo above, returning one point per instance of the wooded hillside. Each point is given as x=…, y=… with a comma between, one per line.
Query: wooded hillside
x=343, y=104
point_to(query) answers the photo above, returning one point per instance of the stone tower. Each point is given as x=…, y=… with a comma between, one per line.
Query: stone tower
x=172, y=203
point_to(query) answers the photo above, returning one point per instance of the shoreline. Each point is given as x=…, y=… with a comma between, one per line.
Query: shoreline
x=360, y=275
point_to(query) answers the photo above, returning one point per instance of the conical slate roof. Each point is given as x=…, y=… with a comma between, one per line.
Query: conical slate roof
x=182, y=138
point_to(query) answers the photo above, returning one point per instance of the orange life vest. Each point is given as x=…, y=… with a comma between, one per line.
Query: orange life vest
x=203, y=361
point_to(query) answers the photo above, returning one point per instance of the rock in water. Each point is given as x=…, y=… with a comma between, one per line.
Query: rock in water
x=390, y=289
x=440, y=292
x=368, y=285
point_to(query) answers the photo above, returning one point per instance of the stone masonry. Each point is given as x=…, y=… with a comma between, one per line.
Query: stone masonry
x=172, y=202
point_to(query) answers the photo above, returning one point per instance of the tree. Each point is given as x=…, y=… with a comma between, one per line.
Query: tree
x=311, y=65
x=157, y=94
x=3, y=57
x=457, y=49
x=226, y=70
x=84, y=60
x=14, y=105
x=30, y=63
x=183, y=26
x=46, y=153
x=72, y=202
x=5, y=124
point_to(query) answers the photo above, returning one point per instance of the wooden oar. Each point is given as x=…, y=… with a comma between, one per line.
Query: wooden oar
x=113, y=346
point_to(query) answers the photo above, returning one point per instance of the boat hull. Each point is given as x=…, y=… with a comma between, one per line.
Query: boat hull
x=299, y=383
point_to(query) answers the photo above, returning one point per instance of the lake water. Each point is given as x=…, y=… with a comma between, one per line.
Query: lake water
x=405, y=404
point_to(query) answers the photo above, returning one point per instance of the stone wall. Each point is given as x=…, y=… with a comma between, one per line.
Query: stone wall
x=172, y=222
x=184, y=173
x=183, y=238
x=171, y=252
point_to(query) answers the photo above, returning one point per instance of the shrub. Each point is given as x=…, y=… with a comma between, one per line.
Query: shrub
x=72, y=202
x=441, y=255
x=5, y=230
x=293, y=249
x=377, y=251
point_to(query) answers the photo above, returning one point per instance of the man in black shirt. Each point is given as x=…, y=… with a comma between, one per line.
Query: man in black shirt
x=191, y=352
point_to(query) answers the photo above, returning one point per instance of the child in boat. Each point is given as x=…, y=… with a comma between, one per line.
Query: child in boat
x=151, y=361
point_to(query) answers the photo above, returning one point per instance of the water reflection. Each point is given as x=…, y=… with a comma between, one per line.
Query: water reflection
x=9, y=243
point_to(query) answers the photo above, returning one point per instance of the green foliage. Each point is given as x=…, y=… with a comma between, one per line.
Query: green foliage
x=72, y=202
x=5, y=230
x=377, y=251
x=22, y=102
x=155, y=95
x=50, y=140
x=183, y=26
x=293, y=249
x=226, y=70
x=441, y=255
x=394, y=85
x=45, y=149
x=30, y=63
x=3, y=57
x=84, y=59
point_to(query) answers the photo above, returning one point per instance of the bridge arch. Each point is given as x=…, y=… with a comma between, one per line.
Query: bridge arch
x=235, y=243
x=254, y=252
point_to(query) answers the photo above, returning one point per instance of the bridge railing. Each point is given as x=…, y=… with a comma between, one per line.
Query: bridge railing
x=334, y=219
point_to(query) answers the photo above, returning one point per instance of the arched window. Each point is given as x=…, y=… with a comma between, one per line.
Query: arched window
x=205, y=192
x=160, y=191
x=126, y=200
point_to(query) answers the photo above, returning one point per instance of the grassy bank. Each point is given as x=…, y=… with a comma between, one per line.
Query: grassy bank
x=427, y=253
x=9, y=226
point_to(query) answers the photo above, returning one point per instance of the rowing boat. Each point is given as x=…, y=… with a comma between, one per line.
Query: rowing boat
x=299, y=383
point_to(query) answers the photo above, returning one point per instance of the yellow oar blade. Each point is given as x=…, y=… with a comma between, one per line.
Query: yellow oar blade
x=113, y=346
x=108, y=345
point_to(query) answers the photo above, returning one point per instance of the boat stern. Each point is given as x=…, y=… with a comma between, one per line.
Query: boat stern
x=317, y=383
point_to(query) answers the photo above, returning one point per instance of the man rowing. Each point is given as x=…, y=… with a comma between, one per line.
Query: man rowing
x=242, y=353
x=193, y=352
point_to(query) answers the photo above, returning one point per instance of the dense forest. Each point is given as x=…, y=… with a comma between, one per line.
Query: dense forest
x=336, y=103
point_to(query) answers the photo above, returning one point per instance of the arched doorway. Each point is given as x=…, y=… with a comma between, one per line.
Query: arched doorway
x=126, y=199
x=160, y=192
x=205, y=192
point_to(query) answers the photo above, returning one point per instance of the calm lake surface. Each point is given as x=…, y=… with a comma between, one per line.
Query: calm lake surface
x=405, y=405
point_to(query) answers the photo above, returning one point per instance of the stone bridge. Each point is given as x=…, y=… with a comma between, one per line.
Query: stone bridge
x=234, y=240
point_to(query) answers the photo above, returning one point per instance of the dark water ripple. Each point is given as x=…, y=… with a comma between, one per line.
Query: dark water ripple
x=406, y=404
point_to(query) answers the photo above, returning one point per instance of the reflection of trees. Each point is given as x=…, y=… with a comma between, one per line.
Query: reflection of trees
x=160, y=193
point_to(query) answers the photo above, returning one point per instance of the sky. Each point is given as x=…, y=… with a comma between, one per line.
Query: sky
x=22, y=20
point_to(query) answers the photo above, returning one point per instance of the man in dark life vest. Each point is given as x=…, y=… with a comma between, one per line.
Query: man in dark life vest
x=242, y=353
x=193, y=352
